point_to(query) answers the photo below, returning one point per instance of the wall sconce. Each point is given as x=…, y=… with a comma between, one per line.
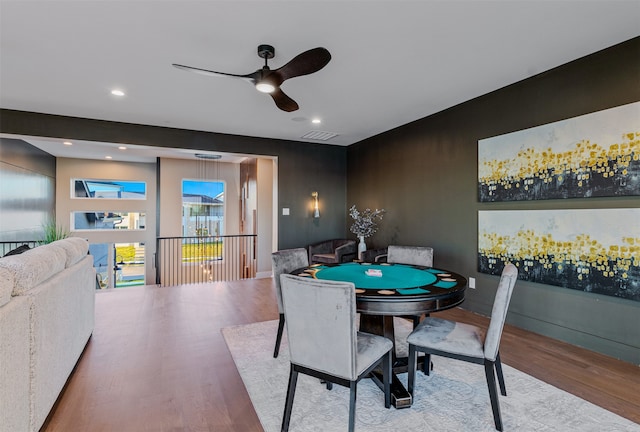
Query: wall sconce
x=316, y=210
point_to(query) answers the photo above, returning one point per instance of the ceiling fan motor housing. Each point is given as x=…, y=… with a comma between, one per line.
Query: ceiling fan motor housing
x=266, y=51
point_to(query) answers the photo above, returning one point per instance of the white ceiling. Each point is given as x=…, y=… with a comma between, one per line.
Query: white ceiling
x=392, y=61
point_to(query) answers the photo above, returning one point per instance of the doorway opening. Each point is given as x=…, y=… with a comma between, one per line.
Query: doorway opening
x=118, y=265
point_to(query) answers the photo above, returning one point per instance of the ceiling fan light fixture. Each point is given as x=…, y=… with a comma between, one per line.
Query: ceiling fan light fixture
x=265, y=87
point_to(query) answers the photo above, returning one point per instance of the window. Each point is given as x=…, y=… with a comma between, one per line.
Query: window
x=202, y=208
x=108, y=189
x=107, y=220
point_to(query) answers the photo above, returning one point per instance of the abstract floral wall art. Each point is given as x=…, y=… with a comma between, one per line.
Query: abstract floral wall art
x=589, y=250
x=594, y=155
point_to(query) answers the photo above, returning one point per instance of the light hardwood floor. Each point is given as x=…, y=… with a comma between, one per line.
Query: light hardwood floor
x=157, y=361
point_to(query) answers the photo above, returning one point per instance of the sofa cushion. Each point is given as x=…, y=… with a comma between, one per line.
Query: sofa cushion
x=6, y=285
x=75, y=248
x=34, y=266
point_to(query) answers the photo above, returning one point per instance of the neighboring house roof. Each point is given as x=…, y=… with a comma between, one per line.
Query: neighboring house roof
x=203, y=199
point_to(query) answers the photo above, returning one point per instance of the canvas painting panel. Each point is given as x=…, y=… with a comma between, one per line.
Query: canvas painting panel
x=594, y=155
x=588, y=250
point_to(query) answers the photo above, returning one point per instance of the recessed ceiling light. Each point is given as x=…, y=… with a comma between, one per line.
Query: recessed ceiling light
x=122, y=148
x=108, y=157
x=117, y=92
x=316, y=121
x=67, y=143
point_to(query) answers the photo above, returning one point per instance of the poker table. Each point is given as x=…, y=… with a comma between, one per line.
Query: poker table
x=387, y=290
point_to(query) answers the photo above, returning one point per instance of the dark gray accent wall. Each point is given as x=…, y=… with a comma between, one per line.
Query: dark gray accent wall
x=302, y=167
x=425, y=175
x=27, y=190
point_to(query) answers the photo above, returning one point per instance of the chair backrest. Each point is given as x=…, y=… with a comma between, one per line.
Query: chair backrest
x=321, y=324
x=341, y=242
x=414, y=255
x=499, y=312
x=286, y=261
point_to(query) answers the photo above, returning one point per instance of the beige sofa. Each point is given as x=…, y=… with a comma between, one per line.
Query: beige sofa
x=47, y=304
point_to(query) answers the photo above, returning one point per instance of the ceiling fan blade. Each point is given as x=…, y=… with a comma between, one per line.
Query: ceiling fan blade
x=252, y=76
x=284, y=102
x=303, y=64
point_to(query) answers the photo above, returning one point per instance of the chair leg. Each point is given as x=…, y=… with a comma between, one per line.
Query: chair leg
x=427, y=366
x=279, y=337
x=291, y=390
x=352, y=405
x=386, y=378
x=416, y=320
x=503, y=388
x=493, y=393
x=411, y=376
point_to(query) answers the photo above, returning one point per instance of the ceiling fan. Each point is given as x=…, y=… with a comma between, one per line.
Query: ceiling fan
x=269, y=81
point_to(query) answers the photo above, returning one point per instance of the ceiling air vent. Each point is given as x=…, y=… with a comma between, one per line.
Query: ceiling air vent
x=319, y=135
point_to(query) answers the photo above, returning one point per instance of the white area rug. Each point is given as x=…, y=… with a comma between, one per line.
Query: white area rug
x=453, y=398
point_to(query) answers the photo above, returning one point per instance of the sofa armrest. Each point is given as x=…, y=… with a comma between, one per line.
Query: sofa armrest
x=382, y=258
x=62, y=320
x=374, y=255
x=344, y=252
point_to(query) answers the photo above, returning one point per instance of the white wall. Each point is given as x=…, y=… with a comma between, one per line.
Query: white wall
x=265, y=224
x=173, y=171
x=67, y=169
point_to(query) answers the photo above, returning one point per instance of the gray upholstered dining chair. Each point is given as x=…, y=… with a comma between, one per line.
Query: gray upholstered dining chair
x=413, y=255
x=324, y=341
x=285, y=261
x=465, y=342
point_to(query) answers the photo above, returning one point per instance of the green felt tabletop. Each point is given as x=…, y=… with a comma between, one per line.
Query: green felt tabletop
x=397, y=277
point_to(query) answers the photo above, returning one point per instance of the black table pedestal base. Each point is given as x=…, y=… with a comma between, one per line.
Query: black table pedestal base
x=383, y=325
x=400, y=397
